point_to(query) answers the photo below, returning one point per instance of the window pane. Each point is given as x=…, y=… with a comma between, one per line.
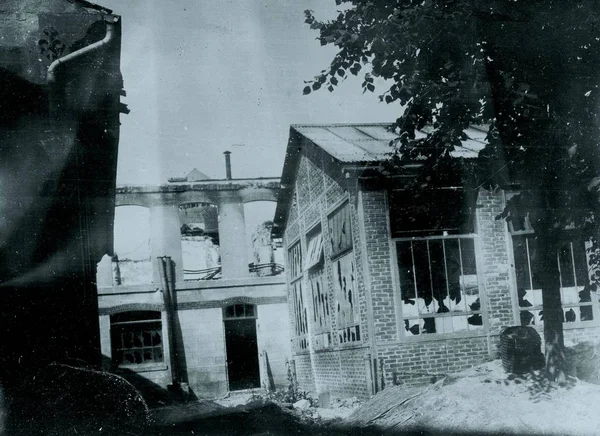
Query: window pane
x=295, y=260
x=586, y=313
x=565, y=262
x=581, y=264
x=422, y=273
x=249, y=310
x=453, y=268
x=413, y=326
x=405, y=268
x=521, y=263
x=459, y=323
x=467, y=247
x=438, y=275
x=340, y=233
x=533, y=259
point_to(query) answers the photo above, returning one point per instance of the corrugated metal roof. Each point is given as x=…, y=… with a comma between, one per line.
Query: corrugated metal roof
x=356, y=143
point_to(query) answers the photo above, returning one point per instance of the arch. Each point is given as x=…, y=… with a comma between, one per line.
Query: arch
x=251, y=194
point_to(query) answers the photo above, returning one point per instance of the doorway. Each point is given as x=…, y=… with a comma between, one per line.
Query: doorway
x=241, y=346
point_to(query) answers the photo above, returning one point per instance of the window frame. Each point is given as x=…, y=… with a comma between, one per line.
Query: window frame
x=343, y=203
x=144, y=366
x=294, y=283
x=595, y=321
x=314, y=252
x=483, y=312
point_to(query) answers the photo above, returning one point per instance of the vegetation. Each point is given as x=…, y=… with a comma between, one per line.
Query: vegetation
x=529, y=69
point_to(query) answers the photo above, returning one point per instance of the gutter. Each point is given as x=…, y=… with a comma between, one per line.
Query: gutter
x=110, y=20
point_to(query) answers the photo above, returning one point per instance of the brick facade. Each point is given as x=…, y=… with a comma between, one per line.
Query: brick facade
x=340, y=369
x=388, y=353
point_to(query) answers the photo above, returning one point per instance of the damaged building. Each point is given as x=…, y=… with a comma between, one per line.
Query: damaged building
x=204, y=315
x=386, y=288
x=59, y=122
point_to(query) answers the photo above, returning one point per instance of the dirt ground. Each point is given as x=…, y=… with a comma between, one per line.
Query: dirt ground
x=486, y=400
x=482, y=400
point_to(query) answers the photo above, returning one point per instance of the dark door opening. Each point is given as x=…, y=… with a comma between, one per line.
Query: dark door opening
x=241, y=346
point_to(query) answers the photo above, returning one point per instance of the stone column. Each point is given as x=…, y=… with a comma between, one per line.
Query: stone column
x=104, y=272
x=165, y=231
x=232, y=239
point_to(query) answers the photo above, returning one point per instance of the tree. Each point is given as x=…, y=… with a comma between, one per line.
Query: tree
x=529, y=69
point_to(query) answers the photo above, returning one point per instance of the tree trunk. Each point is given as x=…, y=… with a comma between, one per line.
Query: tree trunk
x=552, y=305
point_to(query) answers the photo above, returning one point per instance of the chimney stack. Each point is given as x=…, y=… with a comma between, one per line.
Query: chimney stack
x=227, y=164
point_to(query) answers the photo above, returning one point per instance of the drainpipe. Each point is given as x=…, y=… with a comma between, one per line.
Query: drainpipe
x=166, y=276
x=110, y=20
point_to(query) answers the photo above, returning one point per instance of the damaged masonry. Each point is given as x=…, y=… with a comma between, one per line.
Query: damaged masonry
x=219, y=311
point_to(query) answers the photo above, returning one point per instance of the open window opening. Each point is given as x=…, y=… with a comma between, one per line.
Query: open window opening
x=265, y=254
x=200, y=241
x=132, y=263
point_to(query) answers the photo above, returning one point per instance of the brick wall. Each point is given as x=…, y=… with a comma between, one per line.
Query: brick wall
x=341, y=373
x=414, y=361
x=496, y=261
x=420, y=362
x=341, y=369
x=380, y=267
x=304, y=373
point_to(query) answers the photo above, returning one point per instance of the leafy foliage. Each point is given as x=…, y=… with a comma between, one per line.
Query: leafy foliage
x=528, y=69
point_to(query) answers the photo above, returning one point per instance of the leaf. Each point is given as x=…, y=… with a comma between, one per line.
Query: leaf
x=316, y=86
x=306, y=90
x=371, y=87
x=333, y=80
x=341, y=72
x=389, y=99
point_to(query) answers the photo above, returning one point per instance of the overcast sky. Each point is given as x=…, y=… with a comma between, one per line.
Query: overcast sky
x=205, y=76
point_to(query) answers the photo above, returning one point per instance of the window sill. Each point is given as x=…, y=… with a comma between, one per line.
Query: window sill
x=570, y=325
x=441, y=336
x=146, y=367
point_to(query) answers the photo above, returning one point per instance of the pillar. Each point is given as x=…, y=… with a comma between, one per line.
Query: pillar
x=104, y=272
x=165, y=231
x=232, y=239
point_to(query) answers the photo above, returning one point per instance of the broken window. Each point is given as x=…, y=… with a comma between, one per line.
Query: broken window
x=314, y=253
x=300, y=317
x=294, y=261
x=299, y=306
x=136, y=338
x=573, y=268
x=439, y=285
x=340, y=232
x=320, y=310
x=346, y=305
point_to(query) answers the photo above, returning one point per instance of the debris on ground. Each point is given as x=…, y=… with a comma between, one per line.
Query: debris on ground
x=301, y=404
x=486, y=397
